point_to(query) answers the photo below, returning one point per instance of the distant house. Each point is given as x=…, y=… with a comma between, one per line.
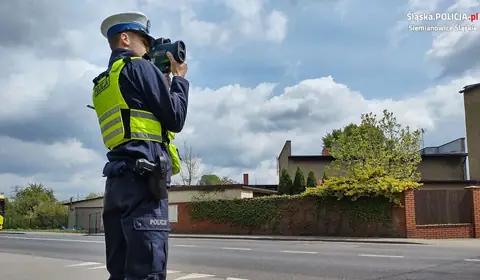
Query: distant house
x=443, y=163
x=87, y=213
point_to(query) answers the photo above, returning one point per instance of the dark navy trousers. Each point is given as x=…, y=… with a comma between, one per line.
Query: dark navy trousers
x=136, y=227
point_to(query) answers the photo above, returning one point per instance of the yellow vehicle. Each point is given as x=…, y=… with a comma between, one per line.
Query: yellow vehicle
x=2, y=210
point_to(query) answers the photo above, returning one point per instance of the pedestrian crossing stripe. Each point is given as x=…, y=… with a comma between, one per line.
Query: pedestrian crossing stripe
x=185, y=276
x=194, y=276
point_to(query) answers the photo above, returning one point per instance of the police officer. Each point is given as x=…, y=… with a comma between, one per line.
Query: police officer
x=138, y=115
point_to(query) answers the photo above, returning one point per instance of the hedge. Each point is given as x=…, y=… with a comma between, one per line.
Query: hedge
x=366, y=199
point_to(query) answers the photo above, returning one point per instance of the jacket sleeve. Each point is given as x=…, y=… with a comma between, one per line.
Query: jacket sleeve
x=169, y=106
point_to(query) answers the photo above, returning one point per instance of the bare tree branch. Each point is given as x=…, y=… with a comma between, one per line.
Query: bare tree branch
x=189, y=171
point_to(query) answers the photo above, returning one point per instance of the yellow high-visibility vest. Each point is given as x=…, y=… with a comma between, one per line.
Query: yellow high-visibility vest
x=119, y=123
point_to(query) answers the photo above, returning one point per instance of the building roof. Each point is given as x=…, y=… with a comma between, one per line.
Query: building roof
x=468, y=88
x=82, y=200
x=447, y=182
x=267, y=189
x=330, y=158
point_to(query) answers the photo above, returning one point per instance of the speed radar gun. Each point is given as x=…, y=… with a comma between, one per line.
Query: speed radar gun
x=158, y=54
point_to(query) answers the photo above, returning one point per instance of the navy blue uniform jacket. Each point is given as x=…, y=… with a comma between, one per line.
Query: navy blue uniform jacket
x=144, y=87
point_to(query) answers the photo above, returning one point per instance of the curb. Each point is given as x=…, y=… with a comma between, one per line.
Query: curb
x=11, y=232
x=254, y=238
x=269, y=238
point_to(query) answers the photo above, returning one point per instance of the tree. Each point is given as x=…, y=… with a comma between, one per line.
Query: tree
x=93, y=195
x=285, y=185
x=298, y=182
x=209, y=179
x=379, y=156
x=37, y=206
x=189, y=170
x=330, y=138
x=28, y=199
x=212, y=179
x=311, y=180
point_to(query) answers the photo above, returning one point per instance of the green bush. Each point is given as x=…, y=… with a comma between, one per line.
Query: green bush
x=311, y=180
x=368, y=185
x=298, y=182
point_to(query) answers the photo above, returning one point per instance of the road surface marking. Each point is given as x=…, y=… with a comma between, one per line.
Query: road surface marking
x=472, y=260
x=98, y=267
x=240, y=249
x=189, y=246
x=380, y=256
x=172, y=271
x=299, y=252
x=194, y=276
x=83, y=264
x=231, y=278
x=53, y=239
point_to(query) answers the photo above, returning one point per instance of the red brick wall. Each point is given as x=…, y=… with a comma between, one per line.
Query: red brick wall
x=476, y=211
x=442, y=231
x=300, y=220
x=186, y=225
x=409, y=208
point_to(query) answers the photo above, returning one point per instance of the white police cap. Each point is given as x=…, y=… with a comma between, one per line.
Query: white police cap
x=135, y=21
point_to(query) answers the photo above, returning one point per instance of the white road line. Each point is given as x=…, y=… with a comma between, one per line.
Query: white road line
x=52, y=239
x=231, y=278
x=194, y=276
x=172, y=271
x=83, y=264
x=472, y=260
x=239, y=249
x=299, y=252
x=97, y=267
x=188, y=246
x=380, y=256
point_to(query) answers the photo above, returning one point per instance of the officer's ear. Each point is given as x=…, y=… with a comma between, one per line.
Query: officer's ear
x=124, y=39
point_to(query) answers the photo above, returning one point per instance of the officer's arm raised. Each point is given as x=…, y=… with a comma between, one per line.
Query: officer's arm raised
x=169, y=106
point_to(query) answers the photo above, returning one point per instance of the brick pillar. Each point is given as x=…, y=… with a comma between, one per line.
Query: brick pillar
x=476, y=210
x=409, y=206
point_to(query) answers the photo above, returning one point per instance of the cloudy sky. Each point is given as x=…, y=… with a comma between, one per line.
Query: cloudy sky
x=261, y=72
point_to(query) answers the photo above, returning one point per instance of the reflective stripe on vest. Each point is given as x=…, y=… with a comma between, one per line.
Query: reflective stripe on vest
x=111, y=108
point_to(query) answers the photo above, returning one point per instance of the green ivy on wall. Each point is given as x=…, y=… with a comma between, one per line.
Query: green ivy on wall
x=257, y=212
x=251, y=212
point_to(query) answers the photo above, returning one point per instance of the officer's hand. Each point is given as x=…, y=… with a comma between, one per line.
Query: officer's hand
x=178, y=69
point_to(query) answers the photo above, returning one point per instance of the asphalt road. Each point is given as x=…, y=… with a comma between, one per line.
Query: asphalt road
x=38, y=256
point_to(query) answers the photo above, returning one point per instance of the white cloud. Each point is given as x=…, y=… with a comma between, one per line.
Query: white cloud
x=277, y=26
x=63, y=166
x=454, y=51
x=250, y=20
x=451, y=51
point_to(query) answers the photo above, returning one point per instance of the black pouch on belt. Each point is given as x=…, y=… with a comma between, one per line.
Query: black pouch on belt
x=157, y=176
